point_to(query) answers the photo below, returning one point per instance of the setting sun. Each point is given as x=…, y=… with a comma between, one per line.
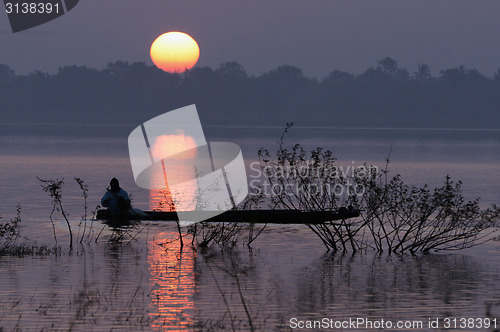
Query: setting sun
x=174, y=52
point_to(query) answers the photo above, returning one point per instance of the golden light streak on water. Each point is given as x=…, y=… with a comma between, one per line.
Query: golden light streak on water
x=161, y=200
x=179, y=149
x=173, y=283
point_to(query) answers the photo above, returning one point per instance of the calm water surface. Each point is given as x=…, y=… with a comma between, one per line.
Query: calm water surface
x=148, y=283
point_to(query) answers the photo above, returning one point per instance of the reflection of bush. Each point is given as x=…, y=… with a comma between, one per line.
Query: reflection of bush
x=395, y=216
x=354, y=284
x=240, y=306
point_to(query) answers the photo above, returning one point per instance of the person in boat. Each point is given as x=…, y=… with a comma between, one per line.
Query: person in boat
x=116, y=199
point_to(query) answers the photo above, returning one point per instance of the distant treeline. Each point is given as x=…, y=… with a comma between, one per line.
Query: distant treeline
x=130, y=93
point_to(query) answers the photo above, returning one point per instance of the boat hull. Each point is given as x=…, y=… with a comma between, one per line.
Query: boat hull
x=246, y=216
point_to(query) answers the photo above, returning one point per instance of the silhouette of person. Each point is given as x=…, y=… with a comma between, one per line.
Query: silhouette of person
x=116, y=199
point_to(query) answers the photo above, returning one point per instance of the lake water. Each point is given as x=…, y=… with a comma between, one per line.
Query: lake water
x=145, y=282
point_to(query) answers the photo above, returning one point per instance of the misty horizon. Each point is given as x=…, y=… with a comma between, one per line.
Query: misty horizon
x=433, y=72
x=124, y=94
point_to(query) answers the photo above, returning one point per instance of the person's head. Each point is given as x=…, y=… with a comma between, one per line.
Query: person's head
x=115, y=185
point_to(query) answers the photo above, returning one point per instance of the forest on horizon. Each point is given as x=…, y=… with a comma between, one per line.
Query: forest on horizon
x=127, y=94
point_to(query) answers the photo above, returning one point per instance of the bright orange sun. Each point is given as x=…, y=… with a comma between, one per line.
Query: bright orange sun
x=175, y=52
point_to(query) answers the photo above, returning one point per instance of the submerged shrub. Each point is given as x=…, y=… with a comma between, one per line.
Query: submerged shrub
x=10, y=231
x=395, y=216
x=408, y=218
x=54, y=189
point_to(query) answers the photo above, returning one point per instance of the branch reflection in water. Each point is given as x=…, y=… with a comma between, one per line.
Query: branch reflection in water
x=151, y=284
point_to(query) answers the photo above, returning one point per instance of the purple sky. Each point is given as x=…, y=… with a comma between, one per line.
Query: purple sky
x=317, y=36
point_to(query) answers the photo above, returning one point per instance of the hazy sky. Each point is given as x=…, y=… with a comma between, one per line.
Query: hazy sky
x=317, y=36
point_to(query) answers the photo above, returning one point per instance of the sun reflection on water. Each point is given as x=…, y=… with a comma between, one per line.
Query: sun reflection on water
x=173, y=283
x=178, y=154
x=161, y=200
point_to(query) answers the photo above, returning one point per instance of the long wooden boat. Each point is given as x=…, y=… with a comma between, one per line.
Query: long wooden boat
x=246, y=216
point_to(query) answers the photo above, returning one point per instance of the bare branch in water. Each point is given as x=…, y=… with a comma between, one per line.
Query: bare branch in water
x=395, y=216
x=54, y=189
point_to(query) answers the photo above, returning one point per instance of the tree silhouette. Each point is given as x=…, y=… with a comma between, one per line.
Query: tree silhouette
x=388, y=65
x=123, y=94
x=423, y=73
